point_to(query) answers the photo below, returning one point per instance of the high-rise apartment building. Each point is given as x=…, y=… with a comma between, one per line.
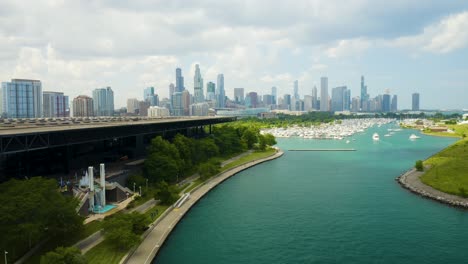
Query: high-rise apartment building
x=198, y=86
x=199, y=109
x=177, y=107
x=83, y=106
x=239, y=95
x=386, y=103
x=251, y=100
x=220, y=93
x=55, y=104
x=415, y=102
x=324, y=94
x=186, y=102
x=355, y=104
x=394, y=104
x=103, y=99
x=308, y=99
x=347, y=100
x=286, y=102
x=179, y=87
x=21, y=99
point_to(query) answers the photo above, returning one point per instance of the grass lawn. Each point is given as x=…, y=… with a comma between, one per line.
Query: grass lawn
x=195, y=184
x=449, y=169
x=252, y=156
x=459, y=130
x=159, y=208
x=105, y=253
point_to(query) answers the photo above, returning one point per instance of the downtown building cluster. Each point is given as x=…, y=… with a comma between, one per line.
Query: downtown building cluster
x=23, y=98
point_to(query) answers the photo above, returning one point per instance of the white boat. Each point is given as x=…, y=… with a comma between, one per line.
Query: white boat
x=347, y=141
x=413, y=136
x=387, y=135
x=375, y=136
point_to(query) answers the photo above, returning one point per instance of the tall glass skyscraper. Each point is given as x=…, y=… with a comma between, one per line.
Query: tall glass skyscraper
x=198, y=86
x=220, y=93
x=179, y=81
x=239, y=95
x=150, y=97
x=21, y=99
x=103, y=100
x=364, y=95
x=210, y=91
x=274, y=95
x=338, y=98
x=296, y=89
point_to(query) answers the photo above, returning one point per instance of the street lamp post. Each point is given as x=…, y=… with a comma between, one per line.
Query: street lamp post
x=6, y=256
x=146, y=184
x=134, y=184
x=140, y=190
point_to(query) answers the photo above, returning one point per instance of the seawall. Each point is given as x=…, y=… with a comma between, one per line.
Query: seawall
x=149, y=248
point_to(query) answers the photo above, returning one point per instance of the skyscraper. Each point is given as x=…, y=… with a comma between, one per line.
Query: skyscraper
x=324, y=94
x=308, y=103
x=415, y=102
x=220, y=93
x=103, y=99
x=239, y=95
x=347, y=100
x=338, y=98
x=177, y=107
x=394, y=107
x=386, y=103
x=251, y=100
x=132, y=105
x=198, y=86
x=179, y=81
x=186, y=102
x=150, y=97
x=274, y=94
x=287, y=101
x=210, y=91
x=296, y=90
x=21, y=99
x=83, y=106
x=364, y=95
x=314, y=98
x=55, y=104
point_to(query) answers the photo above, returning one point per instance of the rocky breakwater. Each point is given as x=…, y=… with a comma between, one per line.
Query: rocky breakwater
x=411, y=181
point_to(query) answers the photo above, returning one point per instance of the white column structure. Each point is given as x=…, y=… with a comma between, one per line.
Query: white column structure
x=102, y=174
x=91, y=187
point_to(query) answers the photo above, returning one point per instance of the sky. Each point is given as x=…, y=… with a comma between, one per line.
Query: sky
x=403, y=46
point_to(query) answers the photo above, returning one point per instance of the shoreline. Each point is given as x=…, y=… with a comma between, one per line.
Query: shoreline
x=157, y=235
x=410, y=180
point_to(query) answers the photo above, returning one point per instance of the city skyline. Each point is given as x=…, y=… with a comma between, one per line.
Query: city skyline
x=424, y=52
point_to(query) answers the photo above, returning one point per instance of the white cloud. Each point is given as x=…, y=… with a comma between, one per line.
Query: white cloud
x=348, y=47
x=449, y=34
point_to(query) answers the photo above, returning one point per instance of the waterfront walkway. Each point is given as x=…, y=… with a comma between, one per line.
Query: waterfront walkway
x=150, y=246
x=411, y=181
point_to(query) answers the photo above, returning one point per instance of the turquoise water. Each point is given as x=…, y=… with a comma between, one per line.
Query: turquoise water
x=106, y=208
x=324, y=207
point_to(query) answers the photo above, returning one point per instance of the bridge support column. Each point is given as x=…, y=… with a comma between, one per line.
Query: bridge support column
x=139, y=146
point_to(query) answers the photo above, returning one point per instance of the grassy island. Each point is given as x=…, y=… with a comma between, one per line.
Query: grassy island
x=448, y=170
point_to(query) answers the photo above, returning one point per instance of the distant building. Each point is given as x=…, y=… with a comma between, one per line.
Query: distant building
x=55, y=104
x=157, y=111
x=186, y=102
x=177, y=107
x=324, y=94
x=296, y=89
x=338, y=99
x=355, y=104
x=286, y=102
x=274, y=93
x=150, y=97
x=199, y=109
x=267, y=99
x=103, y=99
x=220, y=93
x=251, y=100
x=210, y=91
x=239, y=95
x=386, y=103
x=364, y=96
x=308, y=103
x=21, y=98
x=315, y=99
x=132, y=105
x=179, y=87
x=143, y=108
x=415, y=102
x=198, y=96
x=394, y=104
x=83, y=106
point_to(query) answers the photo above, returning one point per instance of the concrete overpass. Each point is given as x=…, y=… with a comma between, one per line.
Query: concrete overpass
x=66, y=142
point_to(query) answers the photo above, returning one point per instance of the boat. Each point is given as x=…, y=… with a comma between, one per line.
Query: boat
x=375, y=136
x=347, y=141
x=387, y=135
x=413, y=136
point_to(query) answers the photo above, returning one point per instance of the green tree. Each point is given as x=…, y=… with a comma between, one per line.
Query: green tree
x=33, y=210
x=419, y=165
x=205, y=149
x=270, y=140
x=159, y=167
x=124, y=230
x=166, y=193
x=64, y=255
x=138, y=179
x=249, y=137
x=208, y=169
x=186, y=148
